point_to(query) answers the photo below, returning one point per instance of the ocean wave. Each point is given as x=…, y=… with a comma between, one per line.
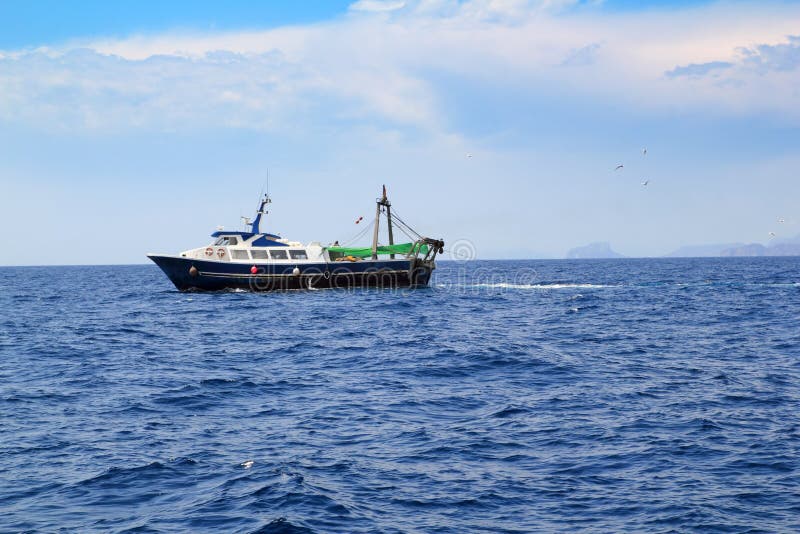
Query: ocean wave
x=507, y=285
x=486, y=407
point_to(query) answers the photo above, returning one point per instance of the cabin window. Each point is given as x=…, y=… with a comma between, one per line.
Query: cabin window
x=278, y=254
x=225, y=241
x=259, y=254
x=298, y=254
x=239, y=254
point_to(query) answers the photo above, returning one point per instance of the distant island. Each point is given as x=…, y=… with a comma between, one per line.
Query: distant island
x=593, y=251
x=756, y=249
x=778, y=247
x=703, y=251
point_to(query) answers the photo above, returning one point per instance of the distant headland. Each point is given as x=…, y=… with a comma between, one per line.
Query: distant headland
x=600, y=250
x=778, y=247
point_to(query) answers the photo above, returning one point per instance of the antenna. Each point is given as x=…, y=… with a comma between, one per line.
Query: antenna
x=261, y=210
x=261, y=194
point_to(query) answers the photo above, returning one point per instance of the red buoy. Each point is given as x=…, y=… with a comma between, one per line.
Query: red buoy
x=253, y=269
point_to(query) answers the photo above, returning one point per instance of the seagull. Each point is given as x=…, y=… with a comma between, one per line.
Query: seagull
x=781, y=220
x=619, y=167
x=646, y=182
x=469, y=155
x=644, y=151
x=771, y=235
x=248, y=464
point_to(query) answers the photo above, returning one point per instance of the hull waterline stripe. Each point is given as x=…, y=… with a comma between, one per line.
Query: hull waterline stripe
x=301, y=275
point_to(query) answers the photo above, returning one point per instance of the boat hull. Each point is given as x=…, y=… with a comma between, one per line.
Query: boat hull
x=192, y=274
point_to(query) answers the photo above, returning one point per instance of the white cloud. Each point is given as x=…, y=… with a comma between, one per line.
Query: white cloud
x=778, y=57
x=697, y=70
x=376, y=5
x=586, y=55
x=384, y=63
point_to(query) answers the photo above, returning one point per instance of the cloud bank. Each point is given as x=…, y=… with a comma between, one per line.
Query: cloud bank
x=396, y=64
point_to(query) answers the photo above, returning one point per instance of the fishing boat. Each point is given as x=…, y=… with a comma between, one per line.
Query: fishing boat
x=258, y=260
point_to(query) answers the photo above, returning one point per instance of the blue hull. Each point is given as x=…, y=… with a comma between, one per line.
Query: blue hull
x=216, y=275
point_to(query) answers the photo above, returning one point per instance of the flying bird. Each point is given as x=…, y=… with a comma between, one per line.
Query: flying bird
x=248, y=464
x=359, y=219
x=618, y=167
x=771, y=235
x=469, y=155
x=781, y=220
x=644, y=151
x=646, y=182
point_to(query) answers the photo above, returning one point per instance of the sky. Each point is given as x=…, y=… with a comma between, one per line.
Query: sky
x=134, y=127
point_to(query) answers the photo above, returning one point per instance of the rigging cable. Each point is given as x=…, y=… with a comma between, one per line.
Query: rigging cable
x=396, y=217
x=404, y=223
x=359, y=235
x=419, y=236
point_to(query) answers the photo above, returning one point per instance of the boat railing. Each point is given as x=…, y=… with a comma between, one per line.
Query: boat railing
x=425, y=249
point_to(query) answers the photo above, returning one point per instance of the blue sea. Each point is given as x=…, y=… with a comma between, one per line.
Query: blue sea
x=510, y=396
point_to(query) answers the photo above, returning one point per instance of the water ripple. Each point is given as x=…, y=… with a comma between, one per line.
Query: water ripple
x=646, y=395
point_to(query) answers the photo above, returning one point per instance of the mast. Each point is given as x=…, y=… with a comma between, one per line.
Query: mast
x=377, y=224
x=383, y=201
x=388, y=219
x=257, y=224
